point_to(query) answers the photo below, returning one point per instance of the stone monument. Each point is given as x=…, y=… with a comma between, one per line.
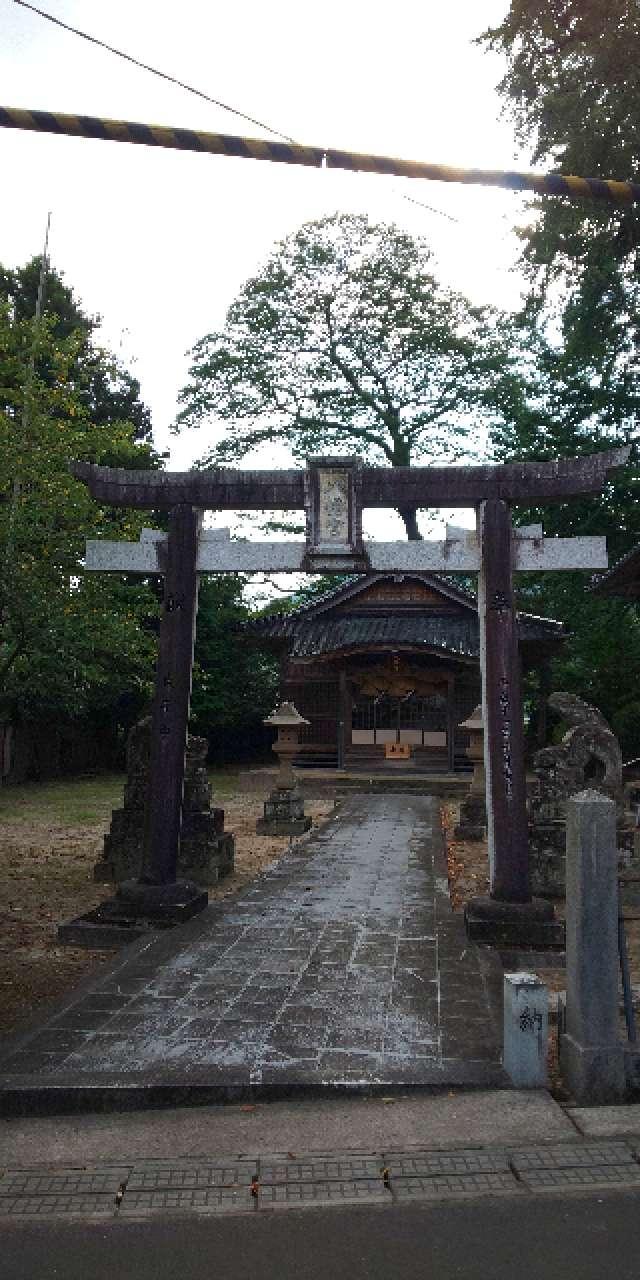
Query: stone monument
x=206, y=849
x=284, y=808
x=473, y=810
x=587, y=757
x=592, y=1058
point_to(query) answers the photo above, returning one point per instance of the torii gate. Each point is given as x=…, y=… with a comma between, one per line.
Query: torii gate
x=333, y=491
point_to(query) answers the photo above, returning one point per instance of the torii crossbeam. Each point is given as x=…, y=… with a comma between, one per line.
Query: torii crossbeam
x=333, y=491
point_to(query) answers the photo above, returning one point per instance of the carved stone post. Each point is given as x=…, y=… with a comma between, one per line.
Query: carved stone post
x=157, y=894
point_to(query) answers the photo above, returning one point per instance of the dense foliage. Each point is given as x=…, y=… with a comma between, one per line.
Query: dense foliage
x=71, y=647
x=235, y=683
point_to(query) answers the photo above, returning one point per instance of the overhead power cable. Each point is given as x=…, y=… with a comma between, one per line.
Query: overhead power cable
x=199, y=93
x=570, y=186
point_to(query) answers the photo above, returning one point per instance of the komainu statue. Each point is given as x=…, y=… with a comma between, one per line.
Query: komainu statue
x=588, y=756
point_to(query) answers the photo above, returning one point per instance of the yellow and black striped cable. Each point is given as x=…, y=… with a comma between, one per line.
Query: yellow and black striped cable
x=227, y=144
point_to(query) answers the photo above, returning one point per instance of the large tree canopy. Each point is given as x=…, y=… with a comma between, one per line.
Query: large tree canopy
x=346, y=343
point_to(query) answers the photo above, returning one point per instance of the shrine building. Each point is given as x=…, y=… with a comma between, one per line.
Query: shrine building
x=386, y=667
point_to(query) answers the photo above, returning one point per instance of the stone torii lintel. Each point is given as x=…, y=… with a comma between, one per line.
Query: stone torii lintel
x=459, y=552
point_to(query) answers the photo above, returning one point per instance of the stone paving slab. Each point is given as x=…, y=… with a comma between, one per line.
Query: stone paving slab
x=343, y=966
x=318, y=1170
x=571, y=1157
x=597, y=1175
x=45, y=1182
x=194, y=1175
x=445, y=1188
x=296, y=1195
x=198, y=1200
x=431, y=1164
x=57, y=1206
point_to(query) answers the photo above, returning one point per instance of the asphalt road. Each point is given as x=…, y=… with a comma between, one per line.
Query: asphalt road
x=567, y=1238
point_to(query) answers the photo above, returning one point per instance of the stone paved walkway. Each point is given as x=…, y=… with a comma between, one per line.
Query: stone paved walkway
x=342, y=966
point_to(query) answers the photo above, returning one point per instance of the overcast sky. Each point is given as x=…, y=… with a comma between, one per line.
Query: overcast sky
x=159, y=242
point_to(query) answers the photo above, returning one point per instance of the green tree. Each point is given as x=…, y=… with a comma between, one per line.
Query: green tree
x=107, y=391
x=71, y=646
x=345, y=342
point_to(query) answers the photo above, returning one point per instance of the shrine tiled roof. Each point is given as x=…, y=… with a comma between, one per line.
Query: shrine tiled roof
x=315, y=637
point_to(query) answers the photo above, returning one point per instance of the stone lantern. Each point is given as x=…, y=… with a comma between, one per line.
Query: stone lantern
x=473, y=810
x=284, y=809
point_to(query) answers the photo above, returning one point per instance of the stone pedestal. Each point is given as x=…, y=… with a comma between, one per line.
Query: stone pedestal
x=591, y=1052
x=206, y=849
x=283, y=814
x=473, y=818
x=513, y=924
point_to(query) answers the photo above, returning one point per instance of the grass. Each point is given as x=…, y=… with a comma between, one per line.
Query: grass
x=84, y=801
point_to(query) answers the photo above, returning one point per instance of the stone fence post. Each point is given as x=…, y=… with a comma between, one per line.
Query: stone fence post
x=591, y=1050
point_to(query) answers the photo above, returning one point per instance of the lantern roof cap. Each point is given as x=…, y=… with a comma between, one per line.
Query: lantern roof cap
x=286, y=717
x=475, y=721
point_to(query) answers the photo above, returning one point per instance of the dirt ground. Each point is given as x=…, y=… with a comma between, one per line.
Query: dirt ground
x=50, y=838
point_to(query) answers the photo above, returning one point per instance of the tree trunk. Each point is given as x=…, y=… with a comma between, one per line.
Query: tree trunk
x=409, y=517
x=402, y=458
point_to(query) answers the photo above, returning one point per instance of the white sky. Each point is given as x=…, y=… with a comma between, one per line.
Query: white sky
x=159, y=242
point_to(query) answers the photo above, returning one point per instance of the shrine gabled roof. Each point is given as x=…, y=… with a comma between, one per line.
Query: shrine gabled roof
x=315, y=631
x=358, y=583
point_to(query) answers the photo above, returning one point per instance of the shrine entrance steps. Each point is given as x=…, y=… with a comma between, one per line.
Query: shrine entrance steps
x=342, y=968
x=393, y=779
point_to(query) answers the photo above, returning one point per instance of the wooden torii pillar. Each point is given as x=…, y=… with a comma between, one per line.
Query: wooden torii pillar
x=333, y=491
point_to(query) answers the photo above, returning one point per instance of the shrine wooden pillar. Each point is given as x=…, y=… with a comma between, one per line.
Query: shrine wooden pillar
x=502, y=707
x=509, y=914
